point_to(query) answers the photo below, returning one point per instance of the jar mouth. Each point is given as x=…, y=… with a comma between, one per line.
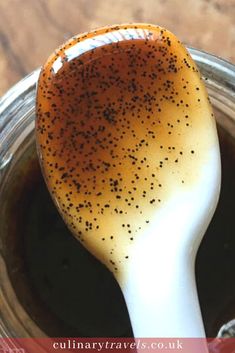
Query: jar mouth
x=17, y=112
x=17, y=106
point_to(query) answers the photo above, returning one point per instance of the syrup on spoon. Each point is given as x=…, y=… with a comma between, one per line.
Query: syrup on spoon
x=128, y=147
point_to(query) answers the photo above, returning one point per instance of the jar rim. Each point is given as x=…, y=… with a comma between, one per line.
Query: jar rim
x=215, y=67
x=17, y=106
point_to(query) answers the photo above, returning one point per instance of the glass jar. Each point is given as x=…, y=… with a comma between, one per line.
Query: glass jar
x=49, y=284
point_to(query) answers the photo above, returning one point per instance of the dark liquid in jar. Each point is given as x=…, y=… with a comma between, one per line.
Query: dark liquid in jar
x=67, y=292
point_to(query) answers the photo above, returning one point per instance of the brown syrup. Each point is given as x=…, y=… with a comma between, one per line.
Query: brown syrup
x=122, y=120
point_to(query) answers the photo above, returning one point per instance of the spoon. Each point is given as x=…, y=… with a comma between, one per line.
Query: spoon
x=128, y=147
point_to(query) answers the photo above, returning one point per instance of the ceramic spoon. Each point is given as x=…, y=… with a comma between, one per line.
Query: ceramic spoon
x=128, y=146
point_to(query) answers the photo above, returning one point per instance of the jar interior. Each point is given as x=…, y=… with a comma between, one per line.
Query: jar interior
x=62, y=287
x=215, y=260
x=66, y=291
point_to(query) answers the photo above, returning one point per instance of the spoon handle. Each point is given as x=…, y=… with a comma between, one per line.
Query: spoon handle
x=164, y=303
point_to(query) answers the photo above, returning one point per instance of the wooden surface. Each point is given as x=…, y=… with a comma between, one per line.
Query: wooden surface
x=31, y=29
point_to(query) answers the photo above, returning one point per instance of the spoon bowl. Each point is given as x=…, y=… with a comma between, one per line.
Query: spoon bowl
x=129, y=150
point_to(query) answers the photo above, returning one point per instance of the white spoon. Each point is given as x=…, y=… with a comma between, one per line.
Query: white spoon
x=129, y=150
